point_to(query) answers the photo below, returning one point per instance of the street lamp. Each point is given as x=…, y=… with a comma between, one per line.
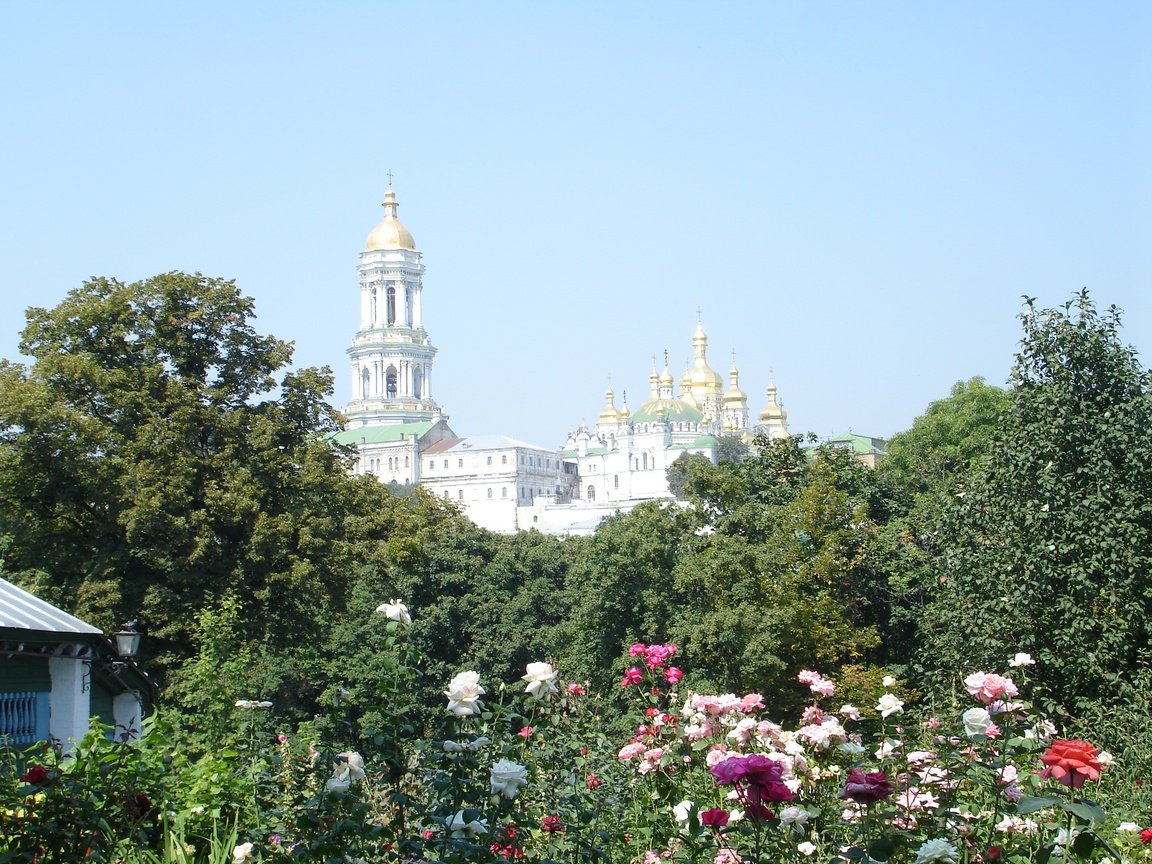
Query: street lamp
x=128, y=641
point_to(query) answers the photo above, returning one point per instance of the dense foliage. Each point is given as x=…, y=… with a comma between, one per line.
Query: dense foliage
x=159, y=461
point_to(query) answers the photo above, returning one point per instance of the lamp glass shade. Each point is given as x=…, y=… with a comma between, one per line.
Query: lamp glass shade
x=127, y=644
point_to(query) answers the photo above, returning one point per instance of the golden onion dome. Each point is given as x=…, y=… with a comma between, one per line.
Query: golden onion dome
x=773, y=412
x=609, y=414
x=705, y=379
x=734, y=395
x=390, y=233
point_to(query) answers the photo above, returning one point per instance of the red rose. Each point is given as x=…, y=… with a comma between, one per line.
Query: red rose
x=1071, y=762
x=716, y=817
x=37, y=774
x=994, y=853
x=1146, y=836
x=552, y=824
x=866, y=788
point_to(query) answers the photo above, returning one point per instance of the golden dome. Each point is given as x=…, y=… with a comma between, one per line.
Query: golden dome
x=705, y=380
x=734, y=395
x=609, y=415
x=774, y=412
x=390, y=233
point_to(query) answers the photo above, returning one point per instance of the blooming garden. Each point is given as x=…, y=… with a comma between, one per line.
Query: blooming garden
x=529, y=769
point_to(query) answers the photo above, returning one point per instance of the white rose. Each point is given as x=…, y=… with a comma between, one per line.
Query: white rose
x=459, y=826
x=795, y=818
x=888, y=681
x=242, y=853
x=806, y=848
x=938, y=851
x=1128, y=828
x=355, y=763
x=889, y=705
x=394, y=610
x=1021, y=659
x=681, y=812
x=976, y=721
x=507, y=778
x=541, y=679
x=349, y=770
x=463, y=692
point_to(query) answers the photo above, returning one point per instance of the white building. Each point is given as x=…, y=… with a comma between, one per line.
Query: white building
x=402, y=436
x=400, y=433
x=57, y=672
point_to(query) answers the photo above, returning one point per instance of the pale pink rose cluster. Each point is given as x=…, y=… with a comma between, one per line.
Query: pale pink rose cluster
x=989, y=687
x=823, y=734
x=816, y=682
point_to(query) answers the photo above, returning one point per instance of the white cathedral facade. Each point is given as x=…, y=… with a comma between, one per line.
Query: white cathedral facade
x=402, y=436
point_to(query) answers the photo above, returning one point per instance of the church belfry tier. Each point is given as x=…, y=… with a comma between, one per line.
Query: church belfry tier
x=391, y=355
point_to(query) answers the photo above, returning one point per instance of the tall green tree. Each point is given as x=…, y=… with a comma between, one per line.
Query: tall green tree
x=1048, y=547
x=157, y=454
x=924, y=468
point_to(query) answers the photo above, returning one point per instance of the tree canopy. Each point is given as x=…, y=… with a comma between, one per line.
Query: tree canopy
x=1047, y=546
x=156, y=454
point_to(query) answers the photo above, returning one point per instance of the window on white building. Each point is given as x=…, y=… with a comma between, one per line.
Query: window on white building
x=503, y=458
x=489, y=460
x=591, y=493
x=503, y=491
x=460, y=495
x=431, y=464
x=489, y=492
x=459, y=463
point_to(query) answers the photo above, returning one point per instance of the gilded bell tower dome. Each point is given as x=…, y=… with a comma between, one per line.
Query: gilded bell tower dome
x=390, y=233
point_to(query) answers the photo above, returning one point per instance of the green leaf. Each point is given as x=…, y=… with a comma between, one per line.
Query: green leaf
x=1030, y=804
x=1085, y=810
x=1083, y=844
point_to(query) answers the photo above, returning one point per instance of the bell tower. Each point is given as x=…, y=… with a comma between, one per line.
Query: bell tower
x=391, y=354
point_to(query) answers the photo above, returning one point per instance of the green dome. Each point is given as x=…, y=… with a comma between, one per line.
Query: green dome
x=674, y=410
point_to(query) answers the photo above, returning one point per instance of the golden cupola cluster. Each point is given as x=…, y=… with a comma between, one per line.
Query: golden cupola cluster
x=390, y=233
x=702, y=404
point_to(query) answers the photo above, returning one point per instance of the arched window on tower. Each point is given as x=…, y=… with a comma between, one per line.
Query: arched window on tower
x=365, y=383
x=391, y=305
x=408, y=305
x=616, y=481
x=390, y=382
x=374, y=312
x=591, y=493
x=418, y=383
x=645, y=461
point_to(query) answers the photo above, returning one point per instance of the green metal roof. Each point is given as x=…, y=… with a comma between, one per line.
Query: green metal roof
x=675, y=411
x=860, y=444
x=382, y=434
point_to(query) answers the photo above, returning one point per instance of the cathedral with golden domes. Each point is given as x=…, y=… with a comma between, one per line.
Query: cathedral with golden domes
x=401, y=435
x=624, y=459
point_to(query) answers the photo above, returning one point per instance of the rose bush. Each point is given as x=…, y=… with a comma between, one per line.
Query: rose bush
x=532, y=774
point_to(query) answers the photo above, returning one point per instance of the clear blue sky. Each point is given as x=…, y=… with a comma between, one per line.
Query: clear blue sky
x=855, y=194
